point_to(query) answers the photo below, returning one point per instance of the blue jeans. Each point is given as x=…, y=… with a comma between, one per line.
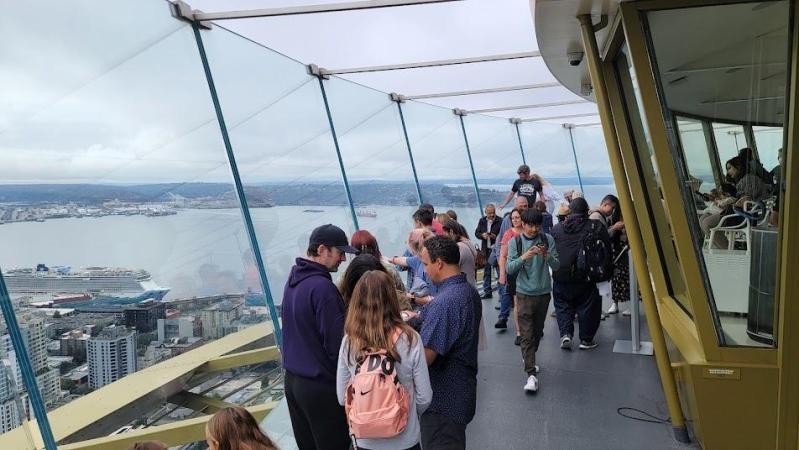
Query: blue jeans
x=505, y=301
x=487, y=279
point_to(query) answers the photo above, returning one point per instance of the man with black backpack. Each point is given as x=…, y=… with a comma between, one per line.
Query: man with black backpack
x=586, y=258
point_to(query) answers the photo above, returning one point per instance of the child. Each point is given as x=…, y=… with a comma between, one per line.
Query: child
x=530, y=256
x=234, y=428
x=373, y=324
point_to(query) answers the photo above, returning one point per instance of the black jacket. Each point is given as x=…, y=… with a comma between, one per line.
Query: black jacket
x=568, y=241
x=481, y=228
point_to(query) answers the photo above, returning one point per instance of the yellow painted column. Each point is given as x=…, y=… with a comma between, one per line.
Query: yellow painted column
x=633, y=232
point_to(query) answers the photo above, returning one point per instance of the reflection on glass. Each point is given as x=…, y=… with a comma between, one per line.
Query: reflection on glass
x=652, y=184
x=729, y=139
x=441, y=161
x=123, y=243
x=549, y=153
x=735, y=77
x=696, y=153
x=769, y=143
x=495, y=153
x=592, y=154
x=377, y=162
x=283, y=145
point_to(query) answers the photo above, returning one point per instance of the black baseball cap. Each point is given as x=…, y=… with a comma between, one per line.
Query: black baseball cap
x=331, y=236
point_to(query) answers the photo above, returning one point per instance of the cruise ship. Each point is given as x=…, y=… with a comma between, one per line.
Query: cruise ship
x=60, y=285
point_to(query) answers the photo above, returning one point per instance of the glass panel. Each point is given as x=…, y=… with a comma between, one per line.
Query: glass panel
x=769, y=145
x=377, y=162
x=122, y=232
x=729, y=139
x=652, y=184
x=496, y=155
x=549, y=152
x=441, y=161
x=15, y=408
x=732, y=70
x=592, y=155
x=696, y=153
x=284, y=149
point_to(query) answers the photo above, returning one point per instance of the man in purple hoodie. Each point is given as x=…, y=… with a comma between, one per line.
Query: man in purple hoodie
x=313, y=325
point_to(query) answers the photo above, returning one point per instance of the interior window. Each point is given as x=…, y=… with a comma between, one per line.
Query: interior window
x=730, y=71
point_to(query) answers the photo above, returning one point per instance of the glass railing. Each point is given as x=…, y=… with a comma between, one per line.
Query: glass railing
x=122, y=221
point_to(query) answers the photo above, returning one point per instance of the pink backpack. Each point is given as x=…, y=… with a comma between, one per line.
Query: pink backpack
x=376, y=403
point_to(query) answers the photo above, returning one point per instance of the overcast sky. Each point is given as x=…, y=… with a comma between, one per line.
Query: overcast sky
x=90, y=95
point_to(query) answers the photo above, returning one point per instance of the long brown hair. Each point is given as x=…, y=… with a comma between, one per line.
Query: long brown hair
x=373, y=317
x=234, y=428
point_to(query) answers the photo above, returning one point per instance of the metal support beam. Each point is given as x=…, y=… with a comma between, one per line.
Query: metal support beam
x=172, y=434
x=574, y=152
x=460, y=113
x=338, y=150
x=533, y=106
x=438, y=63
x=199, y=403
x=516, y=123
x=523, y=87
x=234, y=171
x=567, y=116
x=399, y=99
x=196, y=16
x=28, y=375
x=240, y=359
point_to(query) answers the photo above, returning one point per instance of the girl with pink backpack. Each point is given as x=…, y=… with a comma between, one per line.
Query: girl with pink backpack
x=382, y=378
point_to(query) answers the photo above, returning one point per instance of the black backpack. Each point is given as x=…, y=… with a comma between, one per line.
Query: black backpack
x=594, y=262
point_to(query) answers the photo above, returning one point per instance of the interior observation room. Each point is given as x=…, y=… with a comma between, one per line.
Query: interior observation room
x=163, y=165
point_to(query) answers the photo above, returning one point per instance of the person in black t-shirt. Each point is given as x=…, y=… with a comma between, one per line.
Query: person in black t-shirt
x=525, y=186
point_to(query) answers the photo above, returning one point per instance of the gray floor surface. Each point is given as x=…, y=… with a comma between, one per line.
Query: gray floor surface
x=579, y=393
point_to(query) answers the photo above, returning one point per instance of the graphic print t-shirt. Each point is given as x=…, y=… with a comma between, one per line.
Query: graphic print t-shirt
x=527, y=188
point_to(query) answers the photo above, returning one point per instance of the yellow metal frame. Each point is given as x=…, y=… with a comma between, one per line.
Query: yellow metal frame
x=83, y=412
x=173, y=434
x=633, y=230
x=770, y=375
x=788, y=323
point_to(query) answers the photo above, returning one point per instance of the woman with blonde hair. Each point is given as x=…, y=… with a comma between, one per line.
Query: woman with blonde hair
x=373, y=324
x=234, y=428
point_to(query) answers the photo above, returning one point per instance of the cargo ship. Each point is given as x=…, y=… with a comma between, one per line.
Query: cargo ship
x=89, y=286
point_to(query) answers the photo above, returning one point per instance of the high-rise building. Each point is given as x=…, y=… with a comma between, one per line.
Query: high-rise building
x=218, y=319
x=144, y=316
x=33, y=335
x=9, y=410
x=73, y=343
x=181, y=327
x=111, y=355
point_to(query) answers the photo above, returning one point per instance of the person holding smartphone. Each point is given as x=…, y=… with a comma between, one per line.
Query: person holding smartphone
x=531, y=255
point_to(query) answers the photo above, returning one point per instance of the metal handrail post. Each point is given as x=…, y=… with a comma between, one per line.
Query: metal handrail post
x=635, y=318
x=234, y=170
x=26, y=369
x=460, y=113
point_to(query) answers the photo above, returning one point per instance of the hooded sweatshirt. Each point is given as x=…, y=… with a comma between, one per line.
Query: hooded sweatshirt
x=568, y=240
x=313, y=322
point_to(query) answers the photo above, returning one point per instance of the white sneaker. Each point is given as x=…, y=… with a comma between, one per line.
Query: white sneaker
x=614, y=309
x=566, y=342
x=532, y=384
x=626, y=313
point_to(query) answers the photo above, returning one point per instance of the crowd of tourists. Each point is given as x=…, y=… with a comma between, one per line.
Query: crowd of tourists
x=375, y=362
